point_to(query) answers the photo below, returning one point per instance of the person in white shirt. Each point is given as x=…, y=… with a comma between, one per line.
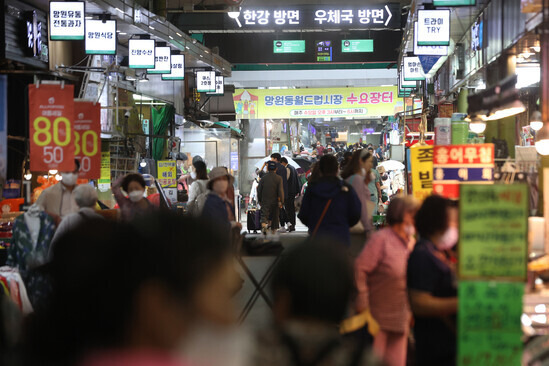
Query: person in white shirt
x=58, y=200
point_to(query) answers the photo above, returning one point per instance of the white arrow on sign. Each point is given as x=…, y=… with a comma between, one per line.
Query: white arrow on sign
x=390, y=15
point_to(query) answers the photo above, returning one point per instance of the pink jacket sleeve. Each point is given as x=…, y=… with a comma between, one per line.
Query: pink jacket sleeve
x=365, y=264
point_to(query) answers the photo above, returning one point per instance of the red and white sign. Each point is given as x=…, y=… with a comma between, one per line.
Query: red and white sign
x=461, y=164
x=51, y=114
x=87, y=138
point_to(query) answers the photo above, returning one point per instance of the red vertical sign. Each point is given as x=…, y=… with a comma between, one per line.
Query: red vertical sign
x=51, y=114
x=87, y=138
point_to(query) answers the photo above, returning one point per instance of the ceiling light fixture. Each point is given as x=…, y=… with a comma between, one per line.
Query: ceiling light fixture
x=535, y=121
x=477, y=125
x=542, y=140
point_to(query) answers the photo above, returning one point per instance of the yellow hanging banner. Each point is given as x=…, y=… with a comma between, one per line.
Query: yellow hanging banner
x=422, y=171
x=317, y=103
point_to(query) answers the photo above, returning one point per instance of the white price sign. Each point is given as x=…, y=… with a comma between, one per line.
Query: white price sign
x=141, y=53
x=162, y=61
x=412, y=70
x=66, y=20
x=219, y=86
x=428, y=50
x=100, y=37
x=177, y=68
x=433, y=27
x=205, y=81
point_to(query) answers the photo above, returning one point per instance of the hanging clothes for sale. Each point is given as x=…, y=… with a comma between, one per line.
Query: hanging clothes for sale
x=14, y=288
x=32, y=234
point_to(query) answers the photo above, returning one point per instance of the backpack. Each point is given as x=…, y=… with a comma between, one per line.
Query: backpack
x=195, y=207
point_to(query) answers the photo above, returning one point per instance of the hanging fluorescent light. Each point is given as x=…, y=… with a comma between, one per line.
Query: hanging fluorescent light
x=508, y=110
x=143, y=163
x=28, y=175
x=53, y=172
x=535, y=121
x=58, y=177
x=542, y=140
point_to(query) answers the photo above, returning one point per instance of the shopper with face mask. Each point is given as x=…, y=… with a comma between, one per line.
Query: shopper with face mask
x=380, y=274
x=432, y=283
x=135, y=203
x=58, y=200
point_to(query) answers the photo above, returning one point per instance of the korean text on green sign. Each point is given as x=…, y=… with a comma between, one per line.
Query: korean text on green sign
x=493, y=231
x=357, y=45
x=296, y=46
x=489, y=327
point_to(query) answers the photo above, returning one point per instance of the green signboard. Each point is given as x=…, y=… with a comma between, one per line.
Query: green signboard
x=493, y=231
x=357, y=45
x=454, y=2
x=297, y=46
x=489, y=326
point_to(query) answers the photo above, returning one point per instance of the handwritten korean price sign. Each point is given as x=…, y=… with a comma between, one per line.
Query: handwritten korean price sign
x=422, y=171
x=493, y=231
x=87, y=132
x=167, y=173
x=51, y=114
x=489, y=328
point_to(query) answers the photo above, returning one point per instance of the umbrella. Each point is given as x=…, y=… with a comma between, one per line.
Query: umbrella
x=392, y=165
x=305, y=164
x=291, y=161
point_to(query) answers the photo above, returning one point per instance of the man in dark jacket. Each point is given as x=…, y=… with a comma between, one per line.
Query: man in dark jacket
x=330, y=206
x=270, y=196
x=293, y=190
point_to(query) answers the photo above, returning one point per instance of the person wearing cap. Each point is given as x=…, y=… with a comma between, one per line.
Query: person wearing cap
x=270, y=195
x=218, y=208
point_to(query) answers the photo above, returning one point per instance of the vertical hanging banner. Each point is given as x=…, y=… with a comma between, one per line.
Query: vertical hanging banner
x=167, y=173
x=493, y=233
x=87, y=132
x=104, y=182
x=461, y=164
x=51, y=115
x=489, y=327
x=422, y=171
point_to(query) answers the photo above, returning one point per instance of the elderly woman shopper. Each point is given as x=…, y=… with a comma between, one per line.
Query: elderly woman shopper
x=380, y=273
x=357, y=174
x=218, y=207
x=135, y=203
x=86, y=198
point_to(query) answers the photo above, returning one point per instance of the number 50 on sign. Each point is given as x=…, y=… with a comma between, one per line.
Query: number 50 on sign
x=51, y=112
x=87, y=132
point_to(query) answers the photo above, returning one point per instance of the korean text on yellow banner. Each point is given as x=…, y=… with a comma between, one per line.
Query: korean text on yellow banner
x=167, y=173
x=422, y=171
x=317, y=103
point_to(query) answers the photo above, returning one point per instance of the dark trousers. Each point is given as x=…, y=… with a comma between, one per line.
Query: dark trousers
x=270, y=212
x=289, y=207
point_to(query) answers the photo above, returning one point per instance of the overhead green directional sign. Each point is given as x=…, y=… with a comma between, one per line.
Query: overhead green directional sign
x=357, y=45
x=297, y=46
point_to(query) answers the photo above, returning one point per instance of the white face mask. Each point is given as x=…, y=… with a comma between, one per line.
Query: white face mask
x=69, y=179
x=136, y=196
x=449, y=239
x=193, y=175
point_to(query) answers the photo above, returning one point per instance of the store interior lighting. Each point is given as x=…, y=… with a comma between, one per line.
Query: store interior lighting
x=143, y=163
x=542, y=140
x=58, y=177
x=535, y=121
x=53, y=172
x=508, y=110
x=527, y=75
x=477, y=125
x=27, y=175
